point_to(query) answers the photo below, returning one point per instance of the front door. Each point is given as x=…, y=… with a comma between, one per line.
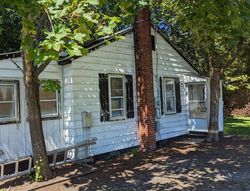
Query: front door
x=198, y=106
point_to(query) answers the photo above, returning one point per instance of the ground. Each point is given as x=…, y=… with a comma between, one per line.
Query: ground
x=179, y=164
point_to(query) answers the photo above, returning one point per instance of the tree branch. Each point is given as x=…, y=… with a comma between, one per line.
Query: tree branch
x=235, y=55
x=16, y=65
x=50, y=20
x=41, y=67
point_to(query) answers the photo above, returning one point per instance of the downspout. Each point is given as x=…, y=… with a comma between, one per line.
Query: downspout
x=62, y=106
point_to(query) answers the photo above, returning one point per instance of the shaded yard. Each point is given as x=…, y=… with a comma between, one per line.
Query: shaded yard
x=177, y=165
x=237, y=126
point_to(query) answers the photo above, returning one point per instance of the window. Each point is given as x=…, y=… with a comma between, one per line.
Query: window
x=9, y=101
x=170, y=95
x=169, y=90
x=117, y=97
x=49, y=104
x=197, y=104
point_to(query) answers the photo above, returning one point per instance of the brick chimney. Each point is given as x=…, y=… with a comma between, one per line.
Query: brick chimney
x=144, y=80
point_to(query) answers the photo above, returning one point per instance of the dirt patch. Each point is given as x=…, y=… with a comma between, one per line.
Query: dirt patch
x=177, y=165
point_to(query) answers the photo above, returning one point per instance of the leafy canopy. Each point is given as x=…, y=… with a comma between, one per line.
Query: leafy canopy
x=50, y=27
x=218, y=28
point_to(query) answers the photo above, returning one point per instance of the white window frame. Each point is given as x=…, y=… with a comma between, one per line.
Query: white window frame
x=16, y=100
x=54, y=115
x=196, y=100
x=165, y=95
x=124, y=98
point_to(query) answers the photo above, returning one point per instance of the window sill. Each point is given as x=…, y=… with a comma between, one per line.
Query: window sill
x=173, y=113
x=51, y=118
x=118, y=119
x=9, y=122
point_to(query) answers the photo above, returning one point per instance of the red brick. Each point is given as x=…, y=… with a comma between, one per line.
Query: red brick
x=144, y=80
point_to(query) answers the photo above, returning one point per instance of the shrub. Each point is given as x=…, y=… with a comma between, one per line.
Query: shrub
x=244, y=112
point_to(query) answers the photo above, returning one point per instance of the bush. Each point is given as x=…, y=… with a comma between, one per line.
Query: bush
x=244, y=112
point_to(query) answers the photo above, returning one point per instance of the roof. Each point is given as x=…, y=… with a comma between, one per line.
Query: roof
x=8, y=55
x=175, y=48
x=94, y=44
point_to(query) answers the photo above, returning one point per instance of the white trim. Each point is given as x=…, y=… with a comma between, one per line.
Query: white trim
x=52, y=115
x=15, y=101
x=198, y=101
x=124, y=109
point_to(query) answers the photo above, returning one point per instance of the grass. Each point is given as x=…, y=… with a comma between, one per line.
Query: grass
x=237, y=126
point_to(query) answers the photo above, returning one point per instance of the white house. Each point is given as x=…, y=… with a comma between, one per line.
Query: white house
x=100, y=97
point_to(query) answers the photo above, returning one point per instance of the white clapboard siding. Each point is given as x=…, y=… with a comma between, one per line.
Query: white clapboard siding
x=15, y=138
x=168, y=63
x=82, y=94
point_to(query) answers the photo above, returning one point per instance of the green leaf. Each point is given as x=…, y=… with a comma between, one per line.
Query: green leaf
x=92, y=2
x=79, y=37
x=59, y=2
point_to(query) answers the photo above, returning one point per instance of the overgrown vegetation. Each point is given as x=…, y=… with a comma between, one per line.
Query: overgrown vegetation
x=219, y=32
x=239, y=126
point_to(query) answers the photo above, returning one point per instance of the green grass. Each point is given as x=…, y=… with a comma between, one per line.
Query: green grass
x=237, y=126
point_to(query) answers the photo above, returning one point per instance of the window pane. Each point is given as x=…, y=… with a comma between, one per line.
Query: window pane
x=47, y=95
x=6, y=93
x=170, y=106
x=117, y=103
x=119, y=113
x=196, y=92
x=169, y=89
x=7, y=110
x=116, y=83
x=116, y=92
x=198, y=110
x=48, y=107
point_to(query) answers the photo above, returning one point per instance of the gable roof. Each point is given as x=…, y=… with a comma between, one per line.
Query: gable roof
x=94, y=44
x=175, y=47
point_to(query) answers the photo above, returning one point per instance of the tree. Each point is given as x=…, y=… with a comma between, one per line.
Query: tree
x=49, y=27
x=218, y=29
x=10, y=34
x=237, y=83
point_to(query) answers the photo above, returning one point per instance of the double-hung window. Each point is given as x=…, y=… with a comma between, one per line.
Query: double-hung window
x=49, y=103
x=170, y=93
x=117, y=97
x=9, y=101
x=170, y=99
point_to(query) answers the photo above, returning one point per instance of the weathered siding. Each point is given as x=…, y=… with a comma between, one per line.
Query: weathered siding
x=168, y=63
x=81, y=90
x=15, y=138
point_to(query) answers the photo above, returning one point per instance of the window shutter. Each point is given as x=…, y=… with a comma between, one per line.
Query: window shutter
x=130, y=96
x=162, y=110
x=104, y=97
x=153, y=42
x=177, y=95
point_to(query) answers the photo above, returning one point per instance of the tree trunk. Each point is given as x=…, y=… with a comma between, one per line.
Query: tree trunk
x=213, y=129
x=34, y=117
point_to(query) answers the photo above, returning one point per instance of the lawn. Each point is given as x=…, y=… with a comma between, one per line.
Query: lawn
x=237, y=126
